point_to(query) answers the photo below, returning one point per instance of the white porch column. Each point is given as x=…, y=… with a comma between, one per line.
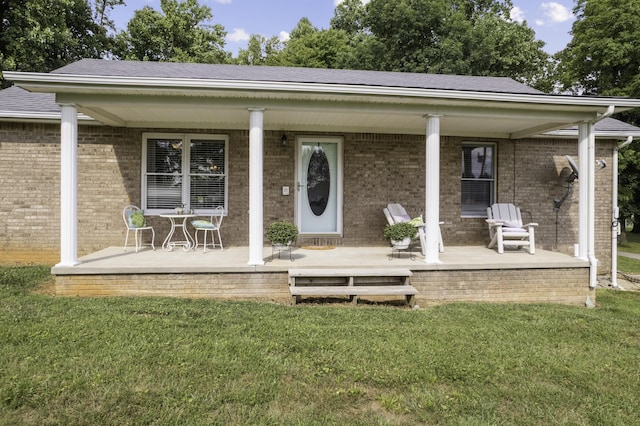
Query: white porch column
x=256, y=205
x=432, y=188
x=583, y=189
x=591, y=209
x=68, y=186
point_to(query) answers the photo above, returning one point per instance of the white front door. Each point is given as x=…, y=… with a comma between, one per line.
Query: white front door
x=319, y=186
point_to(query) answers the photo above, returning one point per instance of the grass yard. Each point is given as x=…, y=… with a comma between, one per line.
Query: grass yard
x=631, y=245
x=119, y=361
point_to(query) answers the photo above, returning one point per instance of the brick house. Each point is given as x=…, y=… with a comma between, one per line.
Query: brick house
x=81, y=142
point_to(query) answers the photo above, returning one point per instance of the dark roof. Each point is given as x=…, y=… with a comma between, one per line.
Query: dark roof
x=99, y=67
x=17, y=99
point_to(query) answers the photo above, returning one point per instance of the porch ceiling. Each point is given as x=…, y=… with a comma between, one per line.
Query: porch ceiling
x=330, y=113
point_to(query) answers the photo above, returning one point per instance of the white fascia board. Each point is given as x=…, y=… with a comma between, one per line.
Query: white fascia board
x=33, y=116
x=573, y=134
x=68, y=82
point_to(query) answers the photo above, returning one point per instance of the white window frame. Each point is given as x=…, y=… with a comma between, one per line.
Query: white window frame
x=493, y=180
x=186, y=158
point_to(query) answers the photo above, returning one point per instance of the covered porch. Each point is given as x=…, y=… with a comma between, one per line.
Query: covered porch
x=466, y=273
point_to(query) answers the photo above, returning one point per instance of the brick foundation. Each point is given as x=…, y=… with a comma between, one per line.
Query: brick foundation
x=565, y=286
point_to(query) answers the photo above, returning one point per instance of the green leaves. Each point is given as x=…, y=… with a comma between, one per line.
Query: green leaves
x=180, y=33
x=40, y=36
x=603, y=57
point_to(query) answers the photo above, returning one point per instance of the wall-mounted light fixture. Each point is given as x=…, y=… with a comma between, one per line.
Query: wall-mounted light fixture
x=283, y=139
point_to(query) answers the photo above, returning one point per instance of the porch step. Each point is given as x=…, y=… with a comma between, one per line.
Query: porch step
x=352, y=283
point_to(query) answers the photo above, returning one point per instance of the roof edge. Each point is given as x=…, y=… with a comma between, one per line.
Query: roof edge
x=46, y=82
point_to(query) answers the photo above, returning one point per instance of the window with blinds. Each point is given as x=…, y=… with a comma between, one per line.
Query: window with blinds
x=478, y=179
x=189, y=170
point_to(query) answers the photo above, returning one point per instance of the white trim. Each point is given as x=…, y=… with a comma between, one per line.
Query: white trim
x=573, y=133
x=36, y=116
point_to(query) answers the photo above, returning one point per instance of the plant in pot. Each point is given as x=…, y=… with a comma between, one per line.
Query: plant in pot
x=282, y=233
x=400, y=234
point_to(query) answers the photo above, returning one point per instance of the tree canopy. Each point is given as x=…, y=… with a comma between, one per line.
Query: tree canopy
x=426, y=36
x=603, y=58
x=41, y=36
x=437, y=36
x=180, y=33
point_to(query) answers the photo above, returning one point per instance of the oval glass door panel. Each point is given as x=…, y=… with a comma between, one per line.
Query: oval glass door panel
x=318, y=181
x=317, y=174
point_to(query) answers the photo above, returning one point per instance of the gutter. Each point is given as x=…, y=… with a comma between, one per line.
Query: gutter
x=615, y=224
x=39, y=117
x=591, y=207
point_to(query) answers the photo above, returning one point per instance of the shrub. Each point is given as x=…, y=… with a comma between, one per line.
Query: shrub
x=282, y=233
x=400, y=231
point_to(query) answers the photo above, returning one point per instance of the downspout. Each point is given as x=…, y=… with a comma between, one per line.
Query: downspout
x=615, y=224
x=591, y=243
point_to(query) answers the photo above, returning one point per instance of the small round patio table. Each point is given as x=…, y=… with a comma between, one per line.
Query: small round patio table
x=176, y=222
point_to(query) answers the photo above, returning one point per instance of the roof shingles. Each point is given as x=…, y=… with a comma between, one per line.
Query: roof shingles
x=98, y=67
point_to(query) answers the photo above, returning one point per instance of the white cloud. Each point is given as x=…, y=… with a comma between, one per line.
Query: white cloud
x=540, y=23
x=517, y=15
x=283, y=36
x=556, y=12
x=223, y=1
x=238, y=35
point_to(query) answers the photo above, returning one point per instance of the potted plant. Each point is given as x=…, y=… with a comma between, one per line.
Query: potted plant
x=282, y=233
x=400, y=234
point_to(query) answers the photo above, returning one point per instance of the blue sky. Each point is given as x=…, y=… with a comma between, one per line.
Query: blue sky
x=551, y=20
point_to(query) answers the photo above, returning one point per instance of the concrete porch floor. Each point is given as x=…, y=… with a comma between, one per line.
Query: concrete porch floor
x=113, y=260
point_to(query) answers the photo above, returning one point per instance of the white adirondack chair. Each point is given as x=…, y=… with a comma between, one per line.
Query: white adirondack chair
x=395, y=213
x=506, y=228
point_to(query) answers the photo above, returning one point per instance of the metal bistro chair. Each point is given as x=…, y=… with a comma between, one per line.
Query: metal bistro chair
x=135, y=221
x=210, y=225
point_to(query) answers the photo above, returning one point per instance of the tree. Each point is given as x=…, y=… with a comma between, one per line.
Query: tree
x=41, y=36
x=261, y=51
x=454, y=37
x=179, y=33
x=101, y=9
x=603, y=58
x=349, y=17
x=311, y=47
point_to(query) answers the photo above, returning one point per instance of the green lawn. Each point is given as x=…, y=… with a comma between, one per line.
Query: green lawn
x=117, y=361
x=631, y=245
